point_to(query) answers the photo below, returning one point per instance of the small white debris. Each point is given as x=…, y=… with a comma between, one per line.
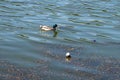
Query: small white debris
x=67, y=54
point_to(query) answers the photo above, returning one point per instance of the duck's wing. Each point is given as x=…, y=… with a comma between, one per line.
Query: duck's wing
x=43, y=26
x=46, y=28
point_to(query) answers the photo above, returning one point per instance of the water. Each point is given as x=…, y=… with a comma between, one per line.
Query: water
x=89, y=30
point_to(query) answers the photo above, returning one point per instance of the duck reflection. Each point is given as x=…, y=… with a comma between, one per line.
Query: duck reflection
x=55, y=33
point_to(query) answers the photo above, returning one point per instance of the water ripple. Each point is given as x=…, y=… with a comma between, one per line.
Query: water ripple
x=89, y=30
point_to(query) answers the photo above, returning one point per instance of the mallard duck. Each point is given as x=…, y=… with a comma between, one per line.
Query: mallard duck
x=47, y=28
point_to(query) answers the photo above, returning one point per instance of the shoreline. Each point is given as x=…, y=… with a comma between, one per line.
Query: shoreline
x=83, y=68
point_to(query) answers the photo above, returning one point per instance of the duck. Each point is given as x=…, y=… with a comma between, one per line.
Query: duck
x=47, y=28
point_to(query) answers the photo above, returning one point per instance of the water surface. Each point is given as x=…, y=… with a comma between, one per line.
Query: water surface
x=89, y=30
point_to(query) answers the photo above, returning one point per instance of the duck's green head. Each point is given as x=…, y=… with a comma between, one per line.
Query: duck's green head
x=54, y=26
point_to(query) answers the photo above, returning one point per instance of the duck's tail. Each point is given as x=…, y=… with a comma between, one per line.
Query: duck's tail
x=40, y=26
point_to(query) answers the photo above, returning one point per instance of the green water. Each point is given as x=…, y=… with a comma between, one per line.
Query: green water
x=89, y=30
